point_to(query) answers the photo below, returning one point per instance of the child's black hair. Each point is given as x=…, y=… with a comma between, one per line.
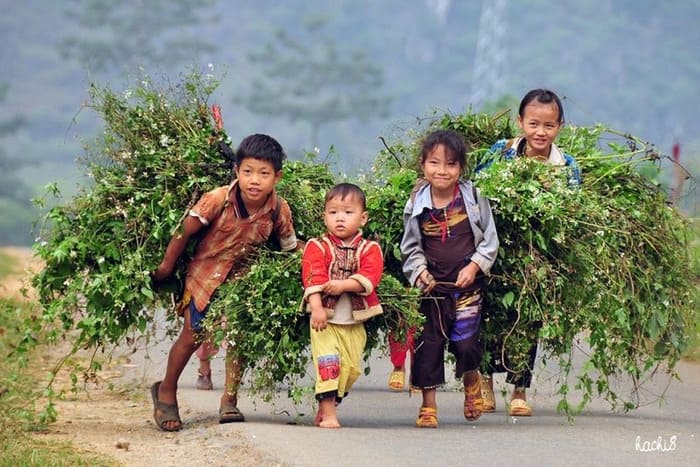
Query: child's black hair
x=543, y=96
x=261, y=147
x=343, y=190
x=453, y=141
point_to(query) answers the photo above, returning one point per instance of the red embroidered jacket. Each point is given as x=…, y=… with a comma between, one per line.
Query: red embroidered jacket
x=327, y=258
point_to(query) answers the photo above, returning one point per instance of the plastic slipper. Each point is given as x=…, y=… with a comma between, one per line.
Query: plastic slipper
x=427, y=418
x=204, y=382
x=488, y=396
x=163, y=413
x=397, y=379
x=519, y=408
x=473, y=401
x=229, y=413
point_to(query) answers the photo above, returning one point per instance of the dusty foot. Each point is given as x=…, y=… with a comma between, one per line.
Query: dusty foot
x=329, y=422
x=159, y=410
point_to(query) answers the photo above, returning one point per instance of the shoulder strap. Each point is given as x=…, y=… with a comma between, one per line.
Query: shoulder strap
x=276, y=212
x=273, y=242
x=507, y=146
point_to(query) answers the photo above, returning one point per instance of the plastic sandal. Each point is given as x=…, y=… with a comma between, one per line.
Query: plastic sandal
x=488, y=396
x=397, y=379
x=427, y=418
x=519, y=408
x=163, y=412
x=204, y=382
x=473, y=401
x=229, y=413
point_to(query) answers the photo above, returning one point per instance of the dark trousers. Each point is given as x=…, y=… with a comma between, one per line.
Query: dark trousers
x=428, y=365
x=501, y=362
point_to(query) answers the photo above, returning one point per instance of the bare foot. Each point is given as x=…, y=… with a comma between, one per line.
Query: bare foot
x=329, y=422
x=167, y=396
x=326, y=416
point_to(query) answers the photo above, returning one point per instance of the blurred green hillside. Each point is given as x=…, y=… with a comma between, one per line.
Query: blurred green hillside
x=630, y=65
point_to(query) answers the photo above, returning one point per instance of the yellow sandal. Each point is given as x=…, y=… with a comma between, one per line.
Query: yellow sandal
x=473, y=401
x=427, y=418
x=519, y=408
x=397, y=379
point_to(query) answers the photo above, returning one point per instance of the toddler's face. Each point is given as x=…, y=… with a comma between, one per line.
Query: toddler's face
x=344, y=216
x=256, y=180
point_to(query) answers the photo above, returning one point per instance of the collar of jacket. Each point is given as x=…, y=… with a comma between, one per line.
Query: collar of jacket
x=424, y=201
x=340, y=243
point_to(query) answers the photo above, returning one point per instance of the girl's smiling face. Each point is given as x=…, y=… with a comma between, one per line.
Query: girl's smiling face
x=441, y=169
x=540, y=124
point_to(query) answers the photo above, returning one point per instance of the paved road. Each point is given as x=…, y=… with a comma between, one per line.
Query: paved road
x=378, y=426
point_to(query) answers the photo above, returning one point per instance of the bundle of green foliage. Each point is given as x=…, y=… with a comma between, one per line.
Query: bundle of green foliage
x=158, y=154
x=601, y=267
x=265, y=320
x=602, y=263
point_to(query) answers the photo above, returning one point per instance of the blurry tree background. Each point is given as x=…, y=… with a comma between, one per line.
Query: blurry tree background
x=338, y=74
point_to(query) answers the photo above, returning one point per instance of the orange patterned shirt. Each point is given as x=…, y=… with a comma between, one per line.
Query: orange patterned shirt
x=229, y=237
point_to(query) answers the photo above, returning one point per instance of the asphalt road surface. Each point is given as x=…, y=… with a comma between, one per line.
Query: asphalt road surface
x=379, y=425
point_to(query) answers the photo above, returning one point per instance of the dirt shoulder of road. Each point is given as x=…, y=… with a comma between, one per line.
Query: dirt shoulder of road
x=112, y=417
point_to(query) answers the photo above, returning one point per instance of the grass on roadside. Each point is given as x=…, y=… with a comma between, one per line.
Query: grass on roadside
x=20, y=393
x=6, y=265
x=694, y=347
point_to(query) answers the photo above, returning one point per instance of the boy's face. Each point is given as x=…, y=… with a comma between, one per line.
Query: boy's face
x=256, y=180
x=344, y=216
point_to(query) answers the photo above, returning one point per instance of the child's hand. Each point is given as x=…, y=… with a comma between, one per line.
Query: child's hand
x=161, y=273
x=467, y=275
x=319, y=320
x=333, y=287
x=426, y=281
